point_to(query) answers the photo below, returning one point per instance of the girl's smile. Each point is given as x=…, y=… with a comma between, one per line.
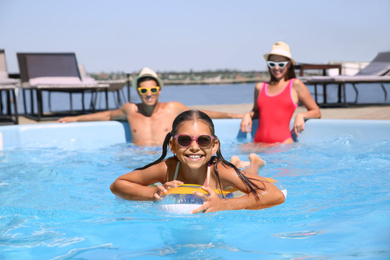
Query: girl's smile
x=194, y=157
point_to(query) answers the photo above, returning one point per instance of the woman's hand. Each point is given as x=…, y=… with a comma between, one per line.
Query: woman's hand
x=246, y=123
x=211, y=202
x=162, y=189
x=299, y=124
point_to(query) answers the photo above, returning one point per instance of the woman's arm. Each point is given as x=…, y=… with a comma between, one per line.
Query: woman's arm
x=246, y=122
x=313, y=111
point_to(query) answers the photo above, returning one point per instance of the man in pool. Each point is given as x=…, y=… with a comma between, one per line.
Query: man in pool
x=150, y=120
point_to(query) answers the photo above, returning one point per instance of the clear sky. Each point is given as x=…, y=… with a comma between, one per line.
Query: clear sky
x=180, y=35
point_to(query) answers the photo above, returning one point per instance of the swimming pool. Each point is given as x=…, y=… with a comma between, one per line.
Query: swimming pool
x=56, y=202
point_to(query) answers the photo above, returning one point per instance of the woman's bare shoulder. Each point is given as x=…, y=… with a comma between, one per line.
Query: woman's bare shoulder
x=297, y=83
x=259, y=85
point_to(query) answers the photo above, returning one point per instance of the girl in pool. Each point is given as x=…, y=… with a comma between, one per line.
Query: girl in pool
x=276, y=101
x=193, y=143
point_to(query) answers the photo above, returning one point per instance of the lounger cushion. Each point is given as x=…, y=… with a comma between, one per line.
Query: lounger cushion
x=8, y=81
x=3, y=75
x=59, y=81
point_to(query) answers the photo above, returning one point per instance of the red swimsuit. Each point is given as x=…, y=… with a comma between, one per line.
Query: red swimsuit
x=275, y=113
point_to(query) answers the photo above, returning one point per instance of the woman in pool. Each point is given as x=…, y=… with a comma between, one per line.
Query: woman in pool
x=276, y=101
x=193, y=143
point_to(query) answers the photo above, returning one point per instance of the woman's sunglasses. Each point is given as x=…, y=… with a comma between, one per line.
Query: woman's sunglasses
x=204, y=141
x=281, y=64
x=144, y=91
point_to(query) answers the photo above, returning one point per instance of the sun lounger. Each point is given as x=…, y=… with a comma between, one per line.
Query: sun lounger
x=379, y=66
x=53, y=72
x=115, y=86
x=377, y=72
x=344, y=80
x=7, y=87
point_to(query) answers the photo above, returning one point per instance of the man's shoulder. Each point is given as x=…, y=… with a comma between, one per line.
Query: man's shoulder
x=129, y=107
x=175, y=103
x=172, y=105
x=127, y=104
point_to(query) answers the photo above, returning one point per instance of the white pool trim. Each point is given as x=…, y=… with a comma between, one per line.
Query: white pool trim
x=86, y=135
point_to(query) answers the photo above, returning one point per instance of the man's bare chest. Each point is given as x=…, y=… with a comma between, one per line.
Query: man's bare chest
x=150, y=124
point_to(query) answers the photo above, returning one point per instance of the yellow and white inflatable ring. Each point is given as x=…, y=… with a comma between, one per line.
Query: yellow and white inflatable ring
x=181, y=199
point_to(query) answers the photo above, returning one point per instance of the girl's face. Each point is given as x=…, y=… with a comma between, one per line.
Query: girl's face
x=194, y=155
x=277, y=71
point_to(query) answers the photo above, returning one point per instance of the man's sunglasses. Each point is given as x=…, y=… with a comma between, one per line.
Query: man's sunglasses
x=281, y=64
x=144, y=91
x=204, y=141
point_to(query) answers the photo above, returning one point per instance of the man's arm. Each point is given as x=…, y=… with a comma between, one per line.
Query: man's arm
x=99, y=116
x=179, y=108
x=220, y=115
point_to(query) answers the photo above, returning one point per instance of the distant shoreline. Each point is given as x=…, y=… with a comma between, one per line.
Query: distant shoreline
x=193, y=78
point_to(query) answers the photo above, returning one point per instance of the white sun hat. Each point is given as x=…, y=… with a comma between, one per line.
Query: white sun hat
x=146, y=72
x=282, y=49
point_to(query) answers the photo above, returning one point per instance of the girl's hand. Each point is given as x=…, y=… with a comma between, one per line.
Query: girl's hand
x=246, y=123
x=211, y=202
x=299, y=124
x=162, y=189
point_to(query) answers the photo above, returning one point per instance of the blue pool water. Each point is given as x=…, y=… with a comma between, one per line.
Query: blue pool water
x=56, y=202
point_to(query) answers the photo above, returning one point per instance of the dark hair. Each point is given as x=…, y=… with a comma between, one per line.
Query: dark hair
x=290, y=73
x=143, y=79
x=192, y=115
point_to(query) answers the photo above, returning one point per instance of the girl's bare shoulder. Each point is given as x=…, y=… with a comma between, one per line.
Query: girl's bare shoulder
x=225, y=169
x=171, y=161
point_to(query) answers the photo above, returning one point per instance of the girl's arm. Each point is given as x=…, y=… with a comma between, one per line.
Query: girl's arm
x=246, y=122
x=269, y=195
x=313, y=111
x=134, y=185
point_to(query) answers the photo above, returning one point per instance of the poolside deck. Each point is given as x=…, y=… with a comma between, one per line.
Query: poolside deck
x=361, y=112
